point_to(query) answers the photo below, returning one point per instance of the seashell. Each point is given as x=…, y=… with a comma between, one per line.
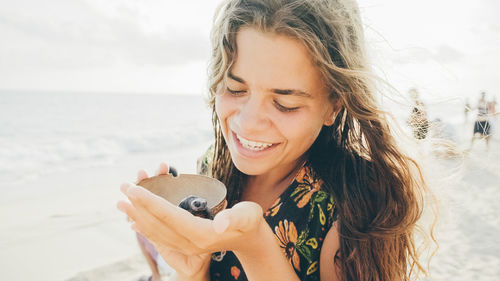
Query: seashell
x=175, y=189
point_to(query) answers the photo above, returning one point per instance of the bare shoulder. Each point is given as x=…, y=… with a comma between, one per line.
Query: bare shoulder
x=328, y=270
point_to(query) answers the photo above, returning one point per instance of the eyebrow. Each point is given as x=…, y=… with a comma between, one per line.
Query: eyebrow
x=286, y=92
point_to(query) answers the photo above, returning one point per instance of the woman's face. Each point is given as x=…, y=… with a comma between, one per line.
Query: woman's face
x=273, y=103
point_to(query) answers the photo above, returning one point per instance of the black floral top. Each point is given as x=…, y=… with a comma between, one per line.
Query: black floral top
x=300, y=219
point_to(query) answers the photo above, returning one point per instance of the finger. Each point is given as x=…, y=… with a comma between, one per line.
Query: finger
x=138, y=214
x=195, y=229
x=158, y=219
x=162, y=169
x=161, y=235
x=242, y=217
x=156, y=205
x=124, y=187
x=141, y=175
x=156, y=210
x=154, y=230
x=128, y=209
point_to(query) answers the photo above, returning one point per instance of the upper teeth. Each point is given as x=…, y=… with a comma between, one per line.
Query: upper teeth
x=253, y=145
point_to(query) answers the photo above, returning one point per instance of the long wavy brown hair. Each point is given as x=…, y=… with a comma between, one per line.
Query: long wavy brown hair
x=377, y=187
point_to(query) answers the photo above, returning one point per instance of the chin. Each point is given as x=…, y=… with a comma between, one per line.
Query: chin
x=248, y=168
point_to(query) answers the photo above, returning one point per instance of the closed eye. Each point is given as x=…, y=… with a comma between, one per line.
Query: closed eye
x=237, y=93
x=284, y=108
x=234, y=92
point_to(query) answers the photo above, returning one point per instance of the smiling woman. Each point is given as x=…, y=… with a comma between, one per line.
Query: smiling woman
x=271, y=86
x=317, y=186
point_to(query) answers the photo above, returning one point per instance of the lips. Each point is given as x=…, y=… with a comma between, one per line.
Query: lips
x=252, y=149
x=253, y=145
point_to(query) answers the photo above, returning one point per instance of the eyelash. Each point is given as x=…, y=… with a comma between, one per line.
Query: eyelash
x=235, y=93
x=278, y=106
x=284, y=108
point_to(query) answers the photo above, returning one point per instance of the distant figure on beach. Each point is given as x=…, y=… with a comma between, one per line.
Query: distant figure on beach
x=467, y=108
x=418, y=118
x=482, y=128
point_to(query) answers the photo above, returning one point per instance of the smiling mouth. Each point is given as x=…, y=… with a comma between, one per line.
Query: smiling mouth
x=253, y=145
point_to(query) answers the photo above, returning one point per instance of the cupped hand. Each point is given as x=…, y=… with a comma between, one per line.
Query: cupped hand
x=186, y=241
x=187, y=267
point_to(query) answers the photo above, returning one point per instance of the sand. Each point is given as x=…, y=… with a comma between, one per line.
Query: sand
x=469, y=222
x=60, y=226
x=66, y=227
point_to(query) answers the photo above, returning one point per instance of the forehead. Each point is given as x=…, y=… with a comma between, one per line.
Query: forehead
x=274, y=60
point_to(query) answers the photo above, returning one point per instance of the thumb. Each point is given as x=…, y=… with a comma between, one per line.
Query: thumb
x=242, y=217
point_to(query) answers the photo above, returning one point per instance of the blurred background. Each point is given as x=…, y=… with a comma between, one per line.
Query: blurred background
x=92, y=91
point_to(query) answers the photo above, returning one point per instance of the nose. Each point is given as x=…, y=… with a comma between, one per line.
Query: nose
x=252, y=115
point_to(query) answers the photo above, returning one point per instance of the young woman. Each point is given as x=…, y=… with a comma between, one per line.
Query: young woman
x=317, y=187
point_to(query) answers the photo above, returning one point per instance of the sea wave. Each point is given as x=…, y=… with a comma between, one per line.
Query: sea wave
x=26, y=157
x=44, y=133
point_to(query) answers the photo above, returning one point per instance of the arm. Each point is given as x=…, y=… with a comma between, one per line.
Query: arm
x=329, y=271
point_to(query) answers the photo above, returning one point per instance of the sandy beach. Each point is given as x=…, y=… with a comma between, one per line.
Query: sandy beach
x=68, y=229
x=468, y=225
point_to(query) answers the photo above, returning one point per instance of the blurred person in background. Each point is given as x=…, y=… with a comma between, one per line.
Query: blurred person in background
x=418, y=117
x=482, y=128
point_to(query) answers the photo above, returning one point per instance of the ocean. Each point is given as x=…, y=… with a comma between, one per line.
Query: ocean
x=43, y=133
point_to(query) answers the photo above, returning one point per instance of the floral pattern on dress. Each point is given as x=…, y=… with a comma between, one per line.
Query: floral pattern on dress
x=307, y=186
x=300, y=219
x=235, y=272
x=287, y=237
x=274, y=209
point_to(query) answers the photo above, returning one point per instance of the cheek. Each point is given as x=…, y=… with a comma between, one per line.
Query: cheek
x=217, y=106
x=221, y=107
x=225, y=106
x=301, y=128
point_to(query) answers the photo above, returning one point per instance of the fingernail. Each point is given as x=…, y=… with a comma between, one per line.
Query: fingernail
x=141, y=175
x=163, y=167
x=120, y=207
x=134, y=227
x=133, y=191
x=124, y=186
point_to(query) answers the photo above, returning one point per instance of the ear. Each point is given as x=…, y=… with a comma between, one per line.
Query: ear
x=332, y=113
x=329, y=120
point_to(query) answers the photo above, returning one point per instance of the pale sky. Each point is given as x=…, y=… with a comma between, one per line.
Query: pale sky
x=443, y=47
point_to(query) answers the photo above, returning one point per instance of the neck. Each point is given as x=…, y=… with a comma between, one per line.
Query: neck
x=277, y=178
x=266, y=188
